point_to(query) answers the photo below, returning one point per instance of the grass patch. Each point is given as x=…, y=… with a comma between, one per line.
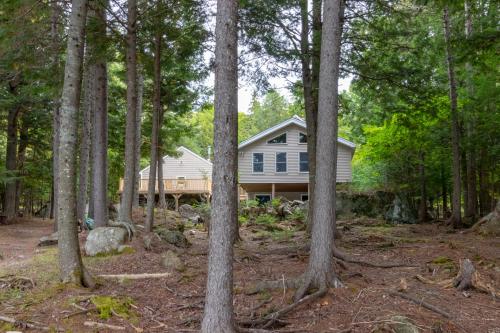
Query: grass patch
x=282, y=235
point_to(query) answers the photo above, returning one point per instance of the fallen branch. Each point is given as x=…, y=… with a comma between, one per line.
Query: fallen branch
x=20, y=323
x=271, y=318
x=135, y=276
x=102, y=325
x=83, y=311
x=420, y=303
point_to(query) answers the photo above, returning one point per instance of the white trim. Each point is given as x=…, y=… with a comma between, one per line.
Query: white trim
x=263, y=163
x=276, y=162
x=294, y=120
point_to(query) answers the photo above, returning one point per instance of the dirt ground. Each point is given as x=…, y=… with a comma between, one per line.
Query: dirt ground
x=175, y=303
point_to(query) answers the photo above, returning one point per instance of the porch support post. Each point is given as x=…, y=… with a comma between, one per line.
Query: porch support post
x=273, y=190
x=177, y=197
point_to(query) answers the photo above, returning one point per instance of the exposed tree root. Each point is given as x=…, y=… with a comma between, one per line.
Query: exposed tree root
x=272, y=318
x=337, y=253
x=420, y=303
x=129, y=226
x=467, y=278
x=134, y=276
x=16, y=282
x=344, y=257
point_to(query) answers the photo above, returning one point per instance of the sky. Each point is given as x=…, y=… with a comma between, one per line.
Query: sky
x=245, y=91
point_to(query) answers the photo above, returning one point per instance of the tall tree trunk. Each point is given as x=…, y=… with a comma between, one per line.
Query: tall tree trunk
x=444, y=192
x=471, y=199
x=484, y=186
x=11, y=153
x=422, y=210
x=155, y=131
x=70, y=260
x=456, y=216
x=320, y=273
x=218, y=313
x=312, y=111
x=55, y=13
x=129, y=178
x=21, y=158
x=85, y=142
x=100, y=123
x=161, y=186
x=138, y=136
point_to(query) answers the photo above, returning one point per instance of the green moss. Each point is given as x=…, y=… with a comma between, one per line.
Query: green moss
x=4, y=327
x=264, y=295
x=108, y=306
x=441, y=260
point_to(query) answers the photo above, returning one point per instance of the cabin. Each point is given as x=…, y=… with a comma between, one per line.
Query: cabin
x=275, y=163
x=187, y=176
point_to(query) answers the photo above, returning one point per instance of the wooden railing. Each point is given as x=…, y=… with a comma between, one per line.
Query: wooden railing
x=177, y=185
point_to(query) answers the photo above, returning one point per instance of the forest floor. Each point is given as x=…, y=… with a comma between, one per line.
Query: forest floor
x=175, y=303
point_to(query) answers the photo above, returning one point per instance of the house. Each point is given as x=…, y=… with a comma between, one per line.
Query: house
x=275, y=162
x=187, y=175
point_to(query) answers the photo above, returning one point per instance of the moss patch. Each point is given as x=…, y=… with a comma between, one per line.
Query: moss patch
x=107, y=306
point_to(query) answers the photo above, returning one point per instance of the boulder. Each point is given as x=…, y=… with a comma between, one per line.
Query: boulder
x=188, y=211
x=171, y=261
x=48, y=240
x=174, y=237
x=104, y=240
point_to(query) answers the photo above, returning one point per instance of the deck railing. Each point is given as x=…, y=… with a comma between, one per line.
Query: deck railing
x=177, y=185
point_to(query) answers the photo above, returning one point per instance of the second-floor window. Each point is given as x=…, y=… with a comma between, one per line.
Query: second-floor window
x=303, y=162
x=258, y=162
x=279, y=139
x=280, y=162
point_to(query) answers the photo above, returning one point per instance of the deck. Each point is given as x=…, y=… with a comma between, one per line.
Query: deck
x=176, y=186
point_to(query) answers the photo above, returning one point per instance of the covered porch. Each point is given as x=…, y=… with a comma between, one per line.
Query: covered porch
x=269, y=191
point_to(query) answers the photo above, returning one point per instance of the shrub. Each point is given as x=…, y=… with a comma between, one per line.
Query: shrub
x=298, y=215
x=242, y=220
x=265, y=219
x=275, y=203
x=252, y=203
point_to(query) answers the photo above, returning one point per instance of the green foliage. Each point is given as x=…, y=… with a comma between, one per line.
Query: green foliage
x=108, y=306
x=297, y=215
x=252, y=203
x=266, y=220
x=242, y=220
x=275, y=203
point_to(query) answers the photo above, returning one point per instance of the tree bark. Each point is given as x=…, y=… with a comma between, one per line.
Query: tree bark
x=472, y=196
x=161, y=188
x=85, y=142
x=218, y=313
x=456, y=217
x=129, y=178
x=444, y=192
x=55, y=12
x=138, y=136
x=70, y=261
x=484, y=184
x=320, y=273
x=422, y=211
x=100, y=123
x=154, y=133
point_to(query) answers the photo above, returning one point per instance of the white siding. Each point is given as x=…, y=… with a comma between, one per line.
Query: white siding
x=188, y=165
x=292, y=148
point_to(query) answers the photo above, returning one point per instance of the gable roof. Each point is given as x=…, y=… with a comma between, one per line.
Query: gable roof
x=183, y=150
x=295, y=120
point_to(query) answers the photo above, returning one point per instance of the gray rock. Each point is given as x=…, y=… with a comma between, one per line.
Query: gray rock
x=48, y=240
x=188, y=211
x=173, y=237
x=170, y=260
x=104, y=240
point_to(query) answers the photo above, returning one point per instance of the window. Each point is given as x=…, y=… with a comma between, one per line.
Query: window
x=279, y=139
x=302, y=138
x=304, y=197
x=262, y=198
x=303, y=162
x=258, y=162
x=280, y=162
